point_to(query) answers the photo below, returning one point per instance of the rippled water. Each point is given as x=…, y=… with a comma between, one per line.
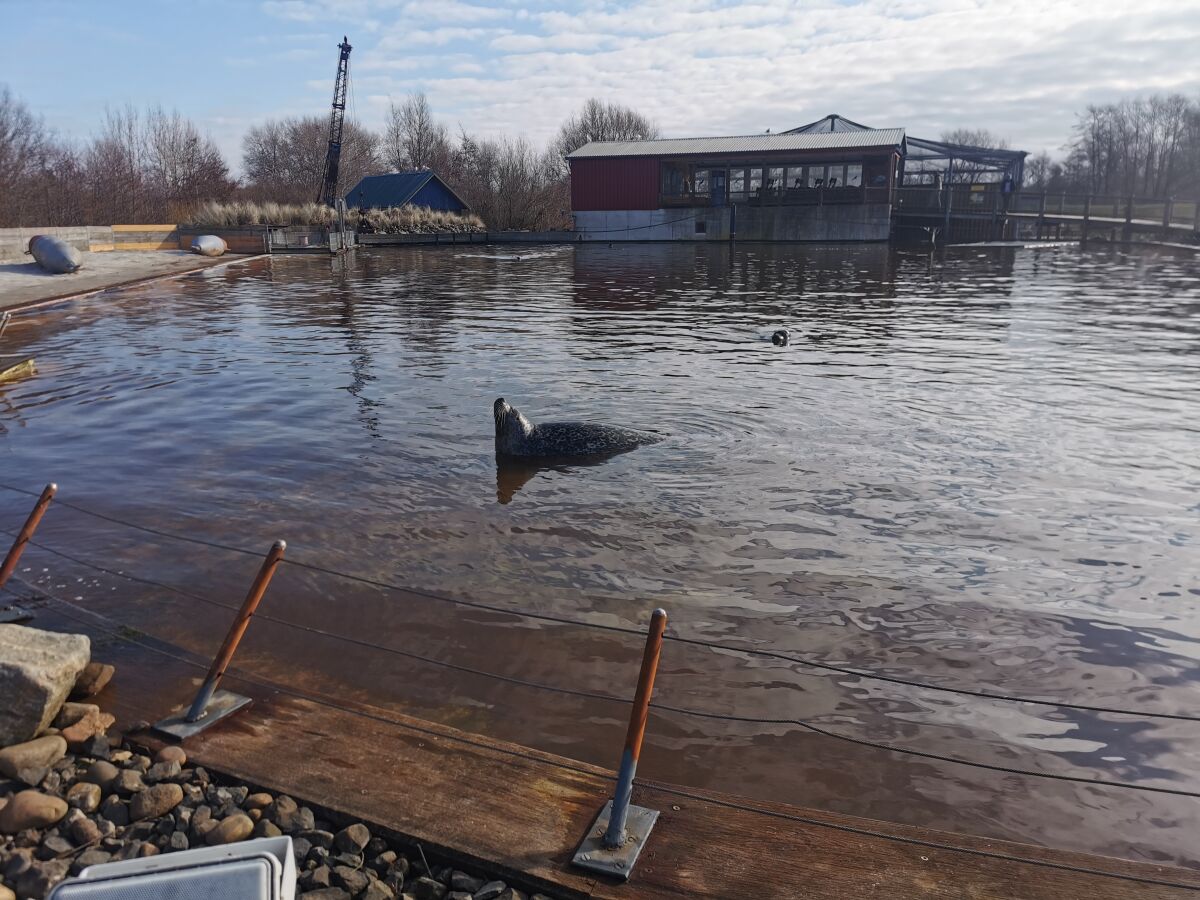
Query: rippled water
x=977, y=468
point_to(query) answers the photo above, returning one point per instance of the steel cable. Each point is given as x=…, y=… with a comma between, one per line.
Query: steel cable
x=341, y=706
x=594, y=695
x=620, y=629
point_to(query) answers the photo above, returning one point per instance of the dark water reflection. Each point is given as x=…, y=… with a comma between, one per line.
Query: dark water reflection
x=979, y=468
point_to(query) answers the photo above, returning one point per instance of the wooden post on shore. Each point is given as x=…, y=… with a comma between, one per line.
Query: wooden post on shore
x=1127, y=234
x=1087, y=215
x=1168, y=208
x=1041, y=219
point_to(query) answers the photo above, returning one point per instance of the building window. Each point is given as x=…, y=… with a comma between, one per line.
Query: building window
x=816, y=176
x=737, y=184
x=701, y=227
x=701, y=181
x=795, y=177
x=835, y=176
x=674, y=180
x=853, y=176
x=775, y=179
x=755, y=180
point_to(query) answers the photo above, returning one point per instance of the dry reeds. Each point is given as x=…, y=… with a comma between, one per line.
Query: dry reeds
x=390, y=220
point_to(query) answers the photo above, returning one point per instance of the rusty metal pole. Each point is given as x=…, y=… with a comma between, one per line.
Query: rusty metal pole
x=236, y=630
x=615, y=840
x=26, y=532
x=615, y=835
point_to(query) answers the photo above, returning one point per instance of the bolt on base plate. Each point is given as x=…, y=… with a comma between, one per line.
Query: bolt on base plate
x=222, y=705
x=619, y=863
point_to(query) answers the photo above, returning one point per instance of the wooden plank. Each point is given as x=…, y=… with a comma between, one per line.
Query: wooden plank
x=519, y=810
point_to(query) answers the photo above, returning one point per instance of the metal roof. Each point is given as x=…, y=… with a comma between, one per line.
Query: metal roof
x=394, y=189
x=753, y=143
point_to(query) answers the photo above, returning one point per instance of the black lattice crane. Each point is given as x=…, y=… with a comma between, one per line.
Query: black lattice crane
x=333, y=155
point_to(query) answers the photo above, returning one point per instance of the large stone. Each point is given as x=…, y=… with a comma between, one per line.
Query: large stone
x=290, y=816
x=427, y=889
x=352, y=880
x=128, y=782
x=491, y=890
x=102, y=773
x=37, y=754
x=329, y=893
x=352, y=838
x=171, y=753
x=461, y=881
x=92, y=680
x=31, y=809
x=236, y=828
x=155, y=801
x=37, y=671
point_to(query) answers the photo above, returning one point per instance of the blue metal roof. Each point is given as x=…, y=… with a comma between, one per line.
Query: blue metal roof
x=394, y=189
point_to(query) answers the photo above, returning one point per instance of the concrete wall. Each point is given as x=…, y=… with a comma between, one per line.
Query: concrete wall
x=848, y=222
x=15, y=241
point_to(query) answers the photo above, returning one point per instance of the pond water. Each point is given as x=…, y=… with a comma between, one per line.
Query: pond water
x=976, y=468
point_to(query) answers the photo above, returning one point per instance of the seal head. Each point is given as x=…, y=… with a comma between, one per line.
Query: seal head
x=780, y=337
x=516, y=436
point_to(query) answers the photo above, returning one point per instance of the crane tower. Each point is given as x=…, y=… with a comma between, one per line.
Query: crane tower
x=329, y=179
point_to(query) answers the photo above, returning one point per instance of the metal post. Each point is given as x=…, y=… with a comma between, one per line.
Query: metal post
x=1128, y=233
x=620, y=831
x=26, y=532
x=205, y=710
x=1087, y=215
x=1168, y=207
x=1041, y=219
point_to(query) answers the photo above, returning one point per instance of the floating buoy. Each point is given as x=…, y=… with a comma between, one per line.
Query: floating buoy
x=54, y=254
x=25, y=369
x=208, y=245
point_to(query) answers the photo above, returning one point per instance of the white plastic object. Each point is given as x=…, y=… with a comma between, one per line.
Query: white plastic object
x=262, y=869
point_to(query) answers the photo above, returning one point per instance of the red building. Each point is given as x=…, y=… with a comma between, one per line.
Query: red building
x=792, y=186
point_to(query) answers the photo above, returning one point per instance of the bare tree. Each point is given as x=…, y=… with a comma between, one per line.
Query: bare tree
x=413, y=139
x=601, y=121
x=284, y=159
x=974, y=137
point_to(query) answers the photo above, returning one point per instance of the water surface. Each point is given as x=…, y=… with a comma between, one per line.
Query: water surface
x=976, y=468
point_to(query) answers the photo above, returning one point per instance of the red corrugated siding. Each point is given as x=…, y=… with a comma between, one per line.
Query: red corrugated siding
x=604, y=184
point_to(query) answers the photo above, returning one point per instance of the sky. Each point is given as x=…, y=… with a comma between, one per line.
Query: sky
x=1020, y=68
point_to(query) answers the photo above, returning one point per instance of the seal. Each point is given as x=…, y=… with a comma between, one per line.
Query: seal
x=780, y=338
x=516, y=436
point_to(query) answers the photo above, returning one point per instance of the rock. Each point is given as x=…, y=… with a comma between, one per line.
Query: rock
x=352, y=860
x=458, y=895
x=461, y=881
x=99, y=747
x=384, y=861
x=289, y=816
x=318, y=838
x=377, y=890
x=491, y=890
x=163, y=771
x=128, y=782
x=84, y=796
x=350, y=879
x=37, y=754
x=512, y=894
x=102, y=773
x=41, y=877
x=352, y=838
x=85, y=831
x=54, y=846
x=18, y=862
x=155, y=801
x=300, y=848
x=258, y=801
x=320, y=877
x=37, y=671
x=90, y=857
x=92, y=680
x=329, y=893
x=115, y=810
x=178, y=841
x=425, y=888
x=31, y=809
x=236, y=828
x=265, y=828
x=139, y=762
x=121, y=756
x=6, y=893
x=171, y=753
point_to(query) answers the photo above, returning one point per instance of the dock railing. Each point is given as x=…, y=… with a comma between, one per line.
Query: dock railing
x=1017, y=760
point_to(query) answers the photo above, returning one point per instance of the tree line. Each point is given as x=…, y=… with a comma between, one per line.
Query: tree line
x=1146, y=147
x=154, y=166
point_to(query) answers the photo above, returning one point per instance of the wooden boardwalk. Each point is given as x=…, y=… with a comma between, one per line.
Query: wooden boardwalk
x=517, y=810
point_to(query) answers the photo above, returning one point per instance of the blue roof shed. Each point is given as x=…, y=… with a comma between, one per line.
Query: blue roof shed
x=401, y=188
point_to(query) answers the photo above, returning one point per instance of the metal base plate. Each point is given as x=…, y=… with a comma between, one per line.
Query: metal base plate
x=619, y=863
x=222, y=704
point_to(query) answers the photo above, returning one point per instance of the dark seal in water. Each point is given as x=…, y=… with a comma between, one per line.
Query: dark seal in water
x=780, y=338
x=516, y=436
